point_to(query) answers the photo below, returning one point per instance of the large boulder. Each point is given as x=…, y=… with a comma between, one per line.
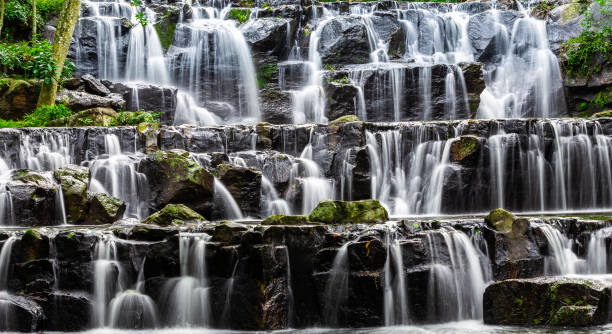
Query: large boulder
x=564, y=22
x=344, y=40
x=465, y=149
x=355, y=212
x=500, y=220
x=244, y=183
x=104, y=209
x=151, y=98
x=17, y=97
x=94, y=85
x=77, y=100
x=33, y=196
x=268, y=36
x=74, y=181
x=547, y=301
x=341, y=99
x=173, y=214
x=66, y=312
x=174, y=177
x=99, y=116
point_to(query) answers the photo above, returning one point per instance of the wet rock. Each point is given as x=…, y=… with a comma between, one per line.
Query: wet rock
x=465, y=150
x=356, y=212
x=152, y=98
x=287, y=220
x=25, y=314
x=276, y=106
x=228, y=232
x=390, y=31
x=173, y=214
x=78, y=101
x=547, y=301
x=17, y=97
x=33, y=195
x=345, y=119
x=367, y=255
x=98, y=116
x=500, y=220
x=344, y=40
x=268, y=36
x=244, y=184
x=147, y=232
x=341, y=99
x=67, y=312
x=484, y=39
x=178, y=179
x=104, y=209
x=277, y=168
x=564, y=22
x=74, y=181
x=94, y=86
x=148, y=132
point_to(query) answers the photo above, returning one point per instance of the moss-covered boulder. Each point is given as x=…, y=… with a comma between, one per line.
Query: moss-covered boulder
x=104, y=209
x=264, y=134
x=368, y=211
x=174, y=177
x=345, y=119
x=74, y=181
x=32, y=246
x=148, y=132
x=500, y=220
x=287, y=220
x=228, y=232
x=465, y=149
x=547, y=301
x=90, y=117
x=173, y=214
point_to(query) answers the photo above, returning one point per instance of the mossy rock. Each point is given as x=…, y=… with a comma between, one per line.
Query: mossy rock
x=357, y=212
x=91, y=117
x=228, y=231
x=346, y=119
x=464, y=147
x=104, y=209
x=601, y=114
x=74, y=181
x=33, y=245
x=500, y=219
x=173, y=214
x=264, y=130
x=287, y=220
x=572, y=315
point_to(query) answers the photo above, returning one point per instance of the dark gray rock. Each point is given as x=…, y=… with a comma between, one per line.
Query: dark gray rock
x=33, y=196
x=268, y=36
x=78, y=101
x=344, y=40
x=94, y=86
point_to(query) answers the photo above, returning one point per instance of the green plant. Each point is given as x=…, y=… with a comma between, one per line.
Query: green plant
x=240, y=15
x=43, y=115
x=265, y=73
x=329, y=67
x=32, y=59
x=343, y=81
x=135, y=118
x=141, y=17
x=598, y=103
x=592, y=49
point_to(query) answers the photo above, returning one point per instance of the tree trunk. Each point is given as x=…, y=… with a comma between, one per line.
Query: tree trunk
x=33, y=18
x=1, y=15
x=68, y=19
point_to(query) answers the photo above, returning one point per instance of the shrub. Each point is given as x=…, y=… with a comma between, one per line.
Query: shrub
x=135, y=118
x=592, y=49
x=32, y=59
x=43, y=115
x=240, y=15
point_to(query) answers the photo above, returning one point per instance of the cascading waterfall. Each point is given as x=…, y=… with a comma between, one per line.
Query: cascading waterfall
x=314, y=186
x=458, y=276
x=115, y=173
x=6, y=311
x=395, y=296
x=227, y=201
x=108, y=278
x=187, y=297
x=6, y=203
x=337, y=288
x=274, y=205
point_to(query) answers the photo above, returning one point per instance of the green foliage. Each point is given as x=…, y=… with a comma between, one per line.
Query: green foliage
x=39, y=117
x=329, y=67
x=343, y=81
x=141, y=17
x=601, y=100
x=32, y=59
x=592, y=49
x=239, y=14
x=135, y=118
x=265, y=73
x=18, y=17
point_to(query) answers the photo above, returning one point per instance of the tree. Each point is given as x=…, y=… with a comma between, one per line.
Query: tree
x=1, y=15
x=68, y=19
x=33, y=18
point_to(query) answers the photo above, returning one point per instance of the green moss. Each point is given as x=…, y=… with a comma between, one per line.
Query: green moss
x=165, y=33
x=340, y=212
x=346, y=119
x=500, y=219
x=463, y=147
x=287, y=220
x=265, y=73
x=173, y=214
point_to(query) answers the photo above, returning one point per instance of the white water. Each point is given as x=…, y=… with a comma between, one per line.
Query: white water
x=336, y=288
x=395, y=296
x=225, y=199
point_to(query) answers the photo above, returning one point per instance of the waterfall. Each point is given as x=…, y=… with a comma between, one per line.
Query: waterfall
x=7, y=217
x=187, y=297
x=115, y=173
x=47, y=151
x=6, y=307
x=337, y=286
x=597, y=261
x=458, y=276
x=225, y=199
x=227, y=307
x=108, y=278
x=315, y=187
x=395, y=296
x=273, y=204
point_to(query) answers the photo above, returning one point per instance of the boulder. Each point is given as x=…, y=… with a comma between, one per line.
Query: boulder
x=500, y=220
x=99, y=116
x=276, y=106
x=25, y=314
x=483, y=38
x=564, y=22
x=17, y=97
x=94, y=86
x=67, y=312
x=33, y=195
x=152, y=98
x=228, y=232
x=78, y=101
x=345, y=212
x=176, y=178
x=547, y=301
x=287, y=220
x=344, y=40
x=104, y=209
x=341, y=99
x=244, y=183
x=465, y=149
x=268, y=35
x=148, y=132
x=345, y=119
x=174, y=214
x=32, y=246
x=74, y=181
